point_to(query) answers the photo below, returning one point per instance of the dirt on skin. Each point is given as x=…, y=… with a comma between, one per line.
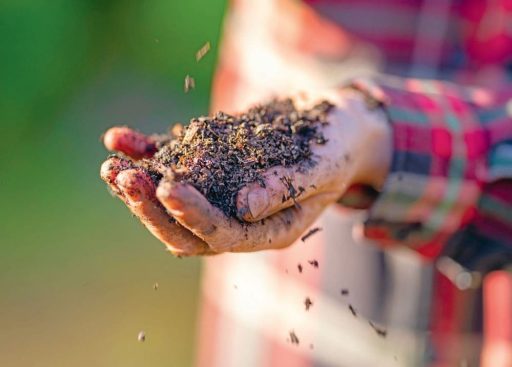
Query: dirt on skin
x=220, y=154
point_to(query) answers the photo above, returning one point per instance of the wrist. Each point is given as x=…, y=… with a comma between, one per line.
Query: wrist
x=367, y=126
x=379, y=142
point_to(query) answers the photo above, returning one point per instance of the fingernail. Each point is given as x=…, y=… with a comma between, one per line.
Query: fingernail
x=111, y=168
x=258, y=202
x=128, y=141
x=135, y=185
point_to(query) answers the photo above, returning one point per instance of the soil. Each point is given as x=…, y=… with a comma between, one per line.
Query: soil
x=141, y=337
x=310, y=233
x=202, y=51
x=293, y=337
x=313, y=263
x=380, y=331
x=220, y=154
x=352, y=310
x=308, y=303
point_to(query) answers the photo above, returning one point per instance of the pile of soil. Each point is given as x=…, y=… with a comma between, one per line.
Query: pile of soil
x=219, y=155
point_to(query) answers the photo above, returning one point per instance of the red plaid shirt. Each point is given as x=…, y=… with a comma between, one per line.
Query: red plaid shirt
x=452, y=146
x=449, y=191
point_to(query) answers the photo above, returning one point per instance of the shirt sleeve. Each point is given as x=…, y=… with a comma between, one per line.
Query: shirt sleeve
x=449, y=143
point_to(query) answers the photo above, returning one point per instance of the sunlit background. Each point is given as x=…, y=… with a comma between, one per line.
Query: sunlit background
x=76, y=270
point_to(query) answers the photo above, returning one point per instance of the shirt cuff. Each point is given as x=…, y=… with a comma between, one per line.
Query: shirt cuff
x=438, y=157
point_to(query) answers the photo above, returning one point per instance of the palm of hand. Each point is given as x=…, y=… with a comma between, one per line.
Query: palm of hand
x=183, y=219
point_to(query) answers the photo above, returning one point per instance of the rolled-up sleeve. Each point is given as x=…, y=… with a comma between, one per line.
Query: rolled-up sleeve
x=449, y=142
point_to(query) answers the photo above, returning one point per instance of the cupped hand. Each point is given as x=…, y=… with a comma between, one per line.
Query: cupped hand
x=271, y=217
x=358, y=151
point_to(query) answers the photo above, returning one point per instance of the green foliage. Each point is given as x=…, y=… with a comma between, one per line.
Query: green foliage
x=76, y=270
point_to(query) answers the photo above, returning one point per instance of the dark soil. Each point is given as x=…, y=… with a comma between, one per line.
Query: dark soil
x=313, y=263
x=310, y=233
x=308, y=303
x=352, y=310
x=219, y=155
x=293, y=338
x=380, y=331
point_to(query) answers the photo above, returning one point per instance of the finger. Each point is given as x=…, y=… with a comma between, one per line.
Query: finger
x=285, y=227
x=130, y=142
x=285, y=187
x=223, y=234
x=333, y=165
x=111, y=168
x=138, y=192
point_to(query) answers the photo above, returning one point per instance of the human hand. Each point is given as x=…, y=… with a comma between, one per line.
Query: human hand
x=183, y=219
x=358, y=151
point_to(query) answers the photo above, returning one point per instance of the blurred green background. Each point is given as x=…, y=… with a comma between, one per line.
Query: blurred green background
x=76, y=270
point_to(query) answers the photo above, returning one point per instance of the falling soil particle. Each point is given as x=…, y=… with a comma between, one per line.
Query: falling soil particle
x=313, y=263
x=308, y=303
x=141, y=337
x=293, y=338
x=299, y=268
x=352, y=310
x=190, y=83
x=202, y=51
x=310, y=233
x=380, y=331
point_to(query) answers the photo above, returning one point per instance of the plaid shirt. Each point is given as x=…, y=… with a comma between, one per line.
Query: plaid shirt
x=452, y=147
x=449, y=192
